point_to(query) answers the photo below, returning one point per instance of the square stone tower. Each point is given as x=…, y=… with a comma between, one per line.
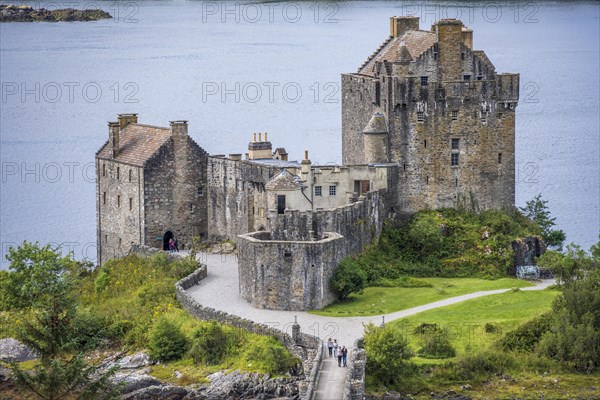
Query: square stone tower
x=450, y=116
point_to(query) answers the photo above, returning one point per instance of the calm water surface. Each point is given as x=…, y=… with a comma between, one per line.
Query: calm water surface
x=234, y=70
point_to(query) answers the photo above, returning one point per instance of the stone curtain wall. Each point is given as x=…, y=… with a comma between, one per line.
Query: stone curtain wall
x=236, y=194
x=354, y=386
x=288, y=275
x=306, y=347
x=359, y=223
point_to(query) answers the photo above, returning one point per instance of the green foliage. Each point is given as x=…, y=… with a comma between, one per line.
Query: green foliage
x=50, y=330
x=445, y=243
x=403, y=282
x=209, y=344
x=270, y=355
x=348, y=278
x=537, y=210
x=437, y=344
x=101, y=280
x=388, y=354
x=166, y=341
x=526, y=336
x=484, y=363
x=568, y=266
x=90, y=330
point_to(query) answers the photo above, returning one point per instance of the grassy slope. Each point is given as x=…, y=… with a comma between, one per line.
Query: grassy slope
x=465, y=321
x=380, y=300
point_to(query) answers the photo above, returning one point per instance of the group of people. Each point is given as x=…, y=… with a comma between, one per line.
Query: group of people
x=337, y=351
x=173, y=245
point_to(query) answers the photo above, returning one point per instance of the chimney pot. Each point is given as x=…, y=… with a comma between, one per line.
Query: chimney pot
x=259, y=137
x=254, y=137
x=266, y=140
x=306, y=154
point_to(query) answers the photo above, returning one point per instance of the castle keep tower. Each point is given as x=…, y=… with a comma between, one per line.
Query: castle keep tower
x=450, y=117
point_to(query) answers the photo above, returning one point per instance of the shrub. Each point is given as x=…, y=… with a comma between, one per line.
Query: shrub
x=90, y=330
x=101, y=280
x=437, y=345
x=166, y=341
x=271, y=356
x=491, y=327
x=209, y=344
x=348, y=278
x=388, y=354
x=525, y=337
x=485, y=363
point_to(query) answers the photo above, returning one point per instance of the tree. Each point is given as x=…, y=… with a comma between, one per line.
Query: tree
x=348, y=278
x=537, y=210
x=43, y=281
x=388, y=354
x=167, y=342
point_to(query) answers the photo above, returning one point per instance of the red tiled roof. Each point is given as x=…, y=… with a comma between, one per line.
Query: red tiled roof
x=137, y=144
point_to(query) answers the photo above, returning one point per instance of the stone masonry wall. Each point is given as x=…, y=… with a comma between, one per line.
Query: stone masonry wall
x=236, y=197
x=354, y=386
x=119, y=202
x=175, y=192
x=288, y=275
x=306, y=347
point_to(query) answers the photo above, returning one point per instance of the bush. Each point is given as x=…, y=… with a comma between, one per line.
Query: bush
x=388, y=354
x=101, y=280
x=485, y=363
x=209, y=344
x=491, y=327
x=348, y=278
x=90, y=330
x=437, y=345
x=271, y=356
x=526, y=337
x=167, y=342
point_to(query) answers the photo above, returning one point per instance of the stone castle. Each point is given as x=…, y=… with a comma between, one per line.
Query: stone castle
x=426, y=122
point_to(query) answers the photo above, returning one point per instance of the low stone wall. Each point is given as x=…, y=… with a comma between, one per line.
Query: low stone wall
x=306, y=347
x=354, y=387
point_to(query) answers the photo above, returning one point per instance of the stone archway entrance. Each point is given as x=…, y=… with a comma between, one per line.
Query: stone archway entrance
x=166, y=237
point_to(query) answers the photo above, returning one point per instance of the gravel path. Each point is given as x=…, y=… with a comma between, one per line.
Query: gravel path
x=220, y=290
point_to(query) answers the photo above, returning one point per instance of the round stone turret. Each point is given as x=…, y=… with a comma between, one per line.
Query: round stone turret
x=376, y=139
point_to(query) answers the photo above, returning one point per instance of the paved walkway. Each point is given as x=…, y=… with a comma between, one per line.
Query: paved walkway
x=220, y=290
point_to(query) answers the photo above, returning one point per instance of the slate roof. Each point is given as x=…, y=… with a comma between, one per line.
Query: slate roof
x=137, y=144
x=283, y=181
x=416, y=42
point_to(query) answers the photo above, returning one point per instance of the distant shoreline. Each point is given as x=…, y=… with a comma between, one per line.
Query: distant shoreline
x=13, y=13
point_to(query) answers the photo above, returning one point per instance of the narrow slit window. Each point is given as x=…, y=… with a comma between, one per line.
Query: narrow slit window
x=130, y=175
x=499, y=158
x=130, y=203
x=103, y=169
x=104, y=198
x=425, y=143
x=119, y=200
x=118, y=172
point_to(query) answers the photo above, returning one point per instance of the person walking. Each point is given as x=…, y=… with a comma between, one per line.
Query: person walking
x=330, y=347
x=344, y=355
x=335, y=347
x=171, y=246
x=339, y=357
x=175, y=245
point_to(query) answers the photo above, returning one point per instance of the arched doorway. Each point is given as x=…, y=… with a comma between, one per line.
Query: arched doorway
x=166, y=237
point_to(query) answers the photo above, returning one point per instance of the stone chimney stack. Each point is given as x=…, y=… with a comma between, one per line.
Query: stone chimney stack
x=261, y=149
x=179, y=128
x=467, y=37
x=126, y=119
x=450, y=41
x=399, y=25
x=113, y=137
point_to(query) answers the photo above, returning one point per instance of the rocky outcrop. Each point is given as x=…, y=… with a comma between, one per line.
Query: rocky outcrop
x=13, y=350
x=12, y=13
x=527, y=250
x=247, y=386
x=137, y=360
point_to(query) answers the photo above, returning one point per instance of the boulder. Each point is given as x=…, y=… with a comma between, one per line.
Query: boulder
x=158, y=392
x=134, y=381
x=134, y=361
x=13, y=350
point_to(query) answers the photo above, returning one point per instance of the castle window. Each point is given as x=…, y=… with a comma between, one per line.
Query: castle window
x=455, y=181
x=200, y=191
x=118, y=172
x=462, y=55
x=420, y=116
x=120, y=241
x=318, y=191
x=466, y=77
x=427, y=180
x=454, y=159
x=479, y=77
x=103, y=169
x=455, y=144
x=424, y=80
x=499, y=158
x=105, y=238
x=404, y=166
x=281, y=204
x=191, y=207
x=454, y=115
x=130, y=203
x=119, y=200
x=425, y=143
x=130, y=174
x=103, y=197
x=483, y=117
x=332, y=190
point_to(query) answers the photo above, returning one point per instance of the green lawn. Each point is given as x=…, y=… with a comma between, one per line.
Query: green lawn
x=384, y=300
x=466, y=321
